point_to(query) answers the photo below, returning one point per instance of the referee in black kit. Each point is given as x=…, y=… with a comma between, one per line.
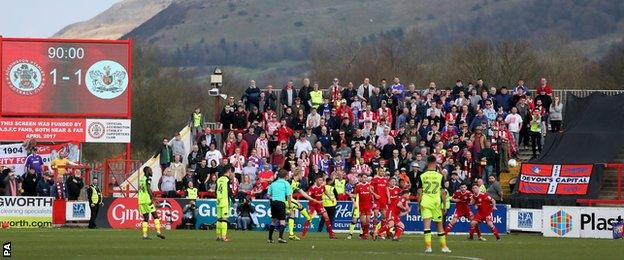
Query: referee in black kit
x=279, y=193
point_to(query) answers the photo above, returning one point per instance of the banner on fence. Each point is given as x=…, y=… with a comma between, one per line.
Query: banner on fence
x=555, y=179
x=77, y=211
x=124, y=213
x=26, y=212
x=14, y=155
x=585, y=222
x=529, y=220
x=413, y=222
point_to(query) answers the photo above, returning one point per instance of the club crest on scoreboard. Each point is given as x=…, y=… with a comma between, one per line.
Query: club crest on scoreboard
x=25, y=77
x=107, y=79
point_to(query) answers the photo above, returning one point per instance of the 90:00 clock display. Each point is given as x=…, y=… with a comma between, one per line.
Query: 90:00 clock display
x=66, y=53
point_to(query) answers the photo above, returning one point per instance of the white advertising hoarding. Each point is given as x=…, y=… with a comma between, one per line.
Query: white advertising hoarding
x=77, y=211
x=529, y=220
x=108, y=131
x=585, y=222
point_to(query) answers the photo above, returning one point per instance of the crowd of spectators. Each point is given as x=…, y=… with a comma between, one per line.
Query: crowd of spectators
x=472, y=130
x=40, y=180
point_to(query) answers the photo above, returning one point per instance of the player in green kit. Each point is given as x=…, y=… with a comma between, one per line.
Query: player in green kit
x=432, y=203
x=223, y=204
x=146, y=205
x=296, y=205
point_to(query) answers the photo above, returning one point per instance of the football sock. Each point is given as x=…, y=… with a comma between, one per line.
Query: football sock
x=365, y=229
x=382, y=229
x=305, y=214
x=472, y=231
x=280, y=228
x=157, y=225
x=427, y=238
x=306, y=226
x=448, y=228
x=478, y=230
x=398, y=232
x=291, y=226
x=352, y=227
x=495, y=231
x=224, y=229
x=144, y=226
x=328, y=225
x=374, y=222
x=271, y=230
x=442, y=237
x=218, y=228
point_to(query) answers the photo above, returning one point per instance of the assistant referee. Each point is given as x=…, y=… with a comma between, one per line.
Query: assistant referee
x=279, y=193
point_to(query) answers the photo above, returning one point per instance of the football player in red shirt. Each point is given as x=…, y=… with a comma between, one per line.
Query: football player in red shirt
x=380, y=186
x=395, y=194
x=365, y=194
x=462, y=198
x=316, y=191
x=398, y=208
x=485, y=205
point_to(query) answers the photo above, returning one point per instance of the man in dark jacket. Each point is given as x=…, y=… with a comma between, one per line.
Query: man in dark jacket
x=166, y=154
x=503, y=99
x=29, y=182
x=251, y=96
x=288, y=95
x=74, y=184
x=304, y=94
x=95, y=200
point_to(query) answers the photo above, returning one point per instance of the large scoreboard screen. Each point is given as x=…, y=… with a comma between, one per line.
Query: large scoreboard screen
x=56, y=77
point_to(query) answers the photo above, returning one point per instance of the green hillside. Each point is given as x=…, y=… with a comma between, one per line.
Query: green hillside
x=252, y=33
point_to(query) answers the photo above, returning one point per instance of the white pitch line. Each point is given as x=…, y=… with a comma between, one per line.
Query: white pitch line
x=423, y=254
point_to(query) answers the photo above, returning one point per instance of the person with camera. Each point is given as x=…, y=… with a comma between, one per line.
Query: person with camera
x=244, y=211
x=190, y=211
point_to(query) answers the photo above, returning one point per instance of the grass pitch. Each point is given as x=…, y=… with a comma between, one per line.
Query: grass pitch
x=127, y=244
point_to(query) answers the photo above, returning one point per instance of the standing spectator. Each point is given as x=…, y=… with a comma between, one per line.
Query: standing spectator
x=536, y=126
x=166, y=154
x=544, y=87
x=514, y=122
x=494, y=189
x=35, y=161
x=525, y=113
x=304, y=94
x=302, y=145
x=29, y=182
x=58, y=190
x=520, y=88
x=168, y=183
x=503, y=99
x=288, y=95
x=191, y=192
x=316, y=97
x=270, y=100
x=555, y=115
x=196, y=122
x=74, y=184
x=251, y=97
x=11, y=185
x=213, y=155
x=194, y=157
x=177, y=146
x=365, y=91
x=201, y=174
x=178, y=170
x=491, y=157
x=59, y=165
x=95, y=201
x=44, y=185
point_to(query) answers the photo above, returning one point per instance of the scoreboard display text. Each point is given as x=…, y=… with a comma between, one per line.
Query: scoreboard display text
x=54, y=77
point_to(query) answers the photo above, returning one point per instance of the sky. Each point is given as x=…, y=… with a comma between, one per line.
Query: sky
x=43, y=18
